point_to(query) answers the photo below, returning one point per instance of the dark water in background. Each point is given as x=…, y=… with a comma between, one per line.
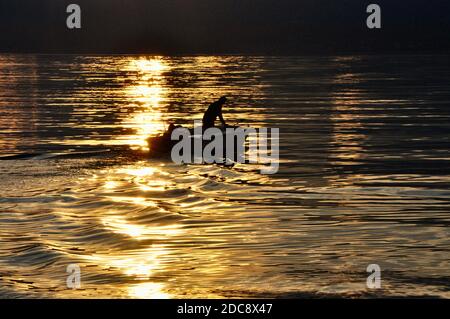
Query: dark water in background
x=364, y=177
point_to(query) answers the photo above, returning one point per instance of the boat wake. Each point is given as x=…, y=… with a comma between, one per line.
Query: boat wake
x=43, y=156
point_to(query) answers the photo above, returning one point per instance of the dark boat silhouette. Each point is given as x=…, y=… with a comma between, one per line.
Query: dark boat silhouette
x=161, y=145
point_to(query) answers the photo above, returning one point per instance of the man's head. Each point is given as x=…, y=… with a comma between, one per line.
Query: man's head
x=223, y=100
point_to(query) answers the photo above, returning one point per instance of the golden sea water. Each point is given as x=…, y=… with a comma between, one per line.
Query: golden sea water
x=364, y=177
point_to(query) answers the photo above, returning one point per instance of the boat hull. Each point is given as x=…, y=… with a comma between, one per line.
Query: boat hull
x=161, y=146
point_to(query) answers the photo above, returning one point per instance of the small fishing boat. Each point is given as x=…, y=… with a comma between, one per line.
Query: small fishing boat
x=162, y=145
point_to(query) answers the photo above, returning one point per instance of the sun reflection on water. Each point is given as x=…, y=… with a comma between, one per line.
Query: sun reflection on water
x=152, y=65
x=148, y=290
x=146, y=93
x=118, y=224
x=138, y=172
x=144, y=262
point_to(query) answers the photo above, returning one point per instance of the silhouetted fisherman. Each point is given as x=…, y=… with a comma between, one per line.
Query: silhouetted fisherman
x=214, y=111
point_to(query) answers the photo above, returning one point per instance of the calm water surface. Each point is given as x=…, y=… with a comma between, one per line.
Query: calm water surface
x=364, y=177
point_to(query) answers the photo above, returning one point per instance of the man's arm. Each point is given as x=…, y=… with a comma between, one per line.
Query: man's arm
x=222, y=120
